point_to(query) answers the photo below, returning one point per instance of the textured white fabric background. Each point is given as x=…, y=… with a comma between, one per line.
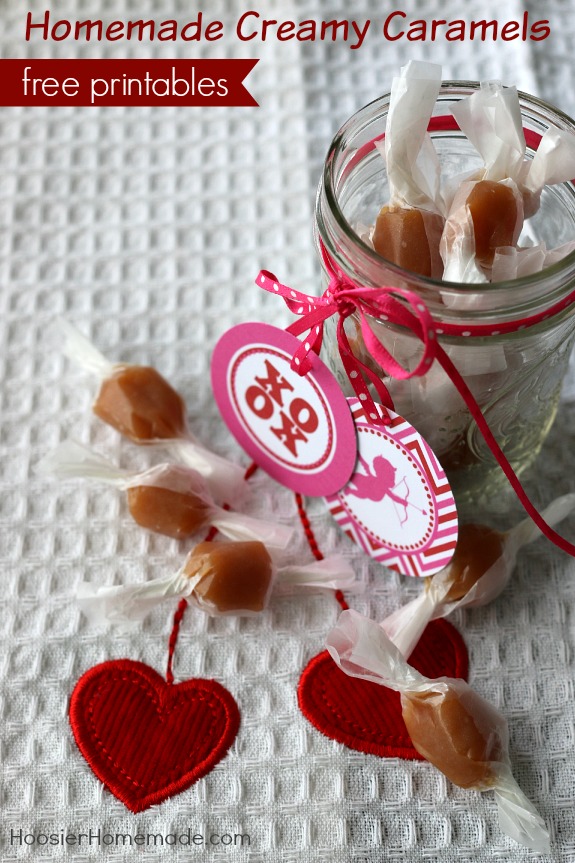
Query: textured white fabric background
x=146, y=227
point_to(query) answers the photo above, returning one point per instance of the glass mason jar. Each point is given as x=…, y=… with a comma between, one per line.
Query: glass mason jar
x=516, y=377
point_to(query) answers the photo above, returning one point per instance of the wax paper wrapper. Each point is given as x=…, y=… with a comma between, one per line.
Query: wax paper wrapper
x=554, y=162
x=225, y=479
x=190, y=509
x=220, y=578
x=515, y=263
x=441, y=596
x=449, y=723
x=413, y=171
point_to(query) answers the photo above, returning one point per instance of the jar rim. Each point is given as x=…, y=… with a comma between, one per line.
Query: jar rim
x=452, y=88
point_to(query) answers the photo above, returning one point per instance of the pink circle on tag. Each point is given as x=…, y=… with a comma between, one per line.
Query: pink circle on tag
x=297, y=428
x=398, y=505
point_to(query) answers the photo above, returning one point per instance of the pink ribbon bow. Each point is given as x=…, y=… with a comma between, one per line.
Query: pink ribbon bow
x=344, y=298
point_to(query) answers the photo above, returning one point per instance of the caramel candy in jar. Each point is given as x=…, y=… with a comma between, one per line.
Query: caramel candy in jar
x=139, y=403
x=409, y=238
x=456, y=731
x=235, y=576
x=496, y=218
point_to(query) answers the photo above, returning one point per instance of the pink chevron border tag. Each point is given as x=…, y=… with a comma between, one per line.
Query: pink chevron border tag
x=398, y=505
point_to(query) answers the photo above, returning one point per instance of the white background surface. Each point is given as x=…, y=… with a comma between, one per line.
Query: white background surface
x=146, y=228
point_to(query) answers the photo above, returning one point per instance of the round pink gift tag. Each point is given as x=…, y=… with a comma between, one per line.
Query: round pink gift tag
x=297, y=428
x=398, y=505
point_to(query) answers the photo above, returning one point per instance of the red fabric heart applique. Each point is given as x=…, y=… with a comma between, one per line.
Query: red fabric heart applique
x=147, y=739
x=366, y=716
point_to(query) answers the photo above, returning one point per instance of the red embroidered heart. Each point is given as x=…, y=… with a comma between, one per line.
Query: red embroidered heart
x=366, y=716
x=145, y=739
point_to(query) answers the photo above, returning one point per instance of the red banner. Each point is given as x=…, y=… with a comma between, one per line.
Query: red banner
x=125, y=82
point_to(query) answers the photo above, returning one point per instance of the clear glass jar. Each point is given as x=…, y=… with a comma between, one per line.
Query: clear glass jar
x=515, y=378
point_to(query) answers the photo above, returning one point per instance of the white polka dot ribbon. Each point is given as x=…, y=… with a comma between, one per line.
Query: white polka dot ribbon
x=343, y=298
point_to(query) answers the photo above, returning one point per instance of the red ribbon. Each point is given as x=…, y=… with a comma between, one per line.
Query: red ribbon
x=344, y=298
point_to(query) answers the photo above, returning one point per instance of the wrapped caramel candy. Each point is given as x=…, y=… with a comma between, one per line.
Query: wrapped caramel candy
x=141, y=405
x=220, y=578
x=408, y=229
x=488, y=209
x=479, y=570
x=170, y=499
x=449, y=723
x=485, y=215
